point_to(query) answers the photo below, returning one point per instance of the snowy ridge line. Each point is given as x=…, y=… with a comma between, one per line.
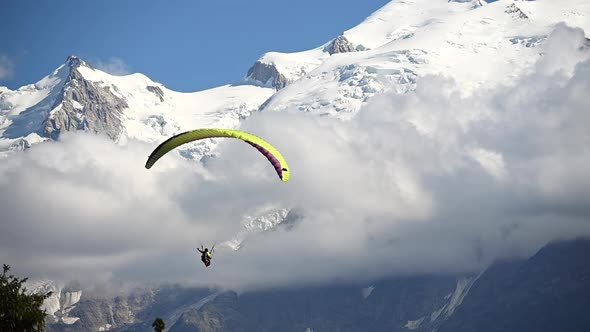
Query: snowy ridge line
x=138, y=108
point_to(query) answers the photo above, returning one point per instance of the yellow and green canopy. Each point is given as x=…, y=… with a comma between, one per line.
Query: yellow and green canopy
x=270, y=152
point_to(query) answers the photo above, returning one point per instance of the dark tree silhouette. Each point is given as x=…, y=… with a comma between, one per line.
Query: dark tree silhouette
x=20, y=311
x=159, y=325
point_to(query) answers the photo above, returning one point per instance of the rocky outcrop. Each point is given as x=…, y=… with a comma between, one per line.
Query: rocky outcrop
x=479, y=3
x=74, y=62
x=20, y=144
x=84, y=106
x=266, y=221
x=340, y=45
x=516, y=12
x=157, y=91
x=267, y=74
x=95, y=313
x=130, y=312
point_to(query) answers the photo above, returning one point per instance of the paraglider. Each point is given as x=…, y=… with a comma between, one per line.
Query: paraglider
x=206, y=255
x=270, y=152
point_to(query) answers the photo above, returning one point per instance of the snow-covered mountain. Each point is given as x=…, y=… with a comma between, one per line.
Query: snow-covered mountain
x=61, y=301
x=473, y=42
x=77, y=96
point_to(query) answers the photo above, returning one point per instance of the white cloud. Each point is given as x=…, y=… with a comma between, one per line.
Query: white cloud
x=397, y=190
x=491, y=161
x=114, y=66
x=6, y=67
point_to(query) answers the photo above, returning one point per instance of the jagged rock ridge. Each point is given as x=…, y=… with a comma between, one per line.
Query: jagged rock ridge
x=267, y=74
x=340, y=45
x=85, y=106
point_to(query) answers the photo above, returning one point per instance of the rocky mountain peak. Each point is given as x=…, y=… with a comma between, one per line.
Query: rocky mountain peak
x=267, y=74
x=340, y=45
x=84, y=105
x=74, y=62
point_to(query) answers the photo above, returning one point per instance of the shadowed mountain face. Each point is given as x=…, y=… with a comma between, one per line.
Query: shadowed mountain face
x=548, y=292
x=389, y=306
x=85, y=106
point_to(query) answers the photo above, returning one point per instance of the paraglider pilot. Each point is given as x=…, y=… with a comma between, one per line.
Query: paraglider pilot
x=206, y=256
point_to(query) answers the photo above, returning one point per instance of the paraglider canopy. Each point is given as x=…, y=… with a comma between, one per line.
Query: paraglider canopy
x=270, y=152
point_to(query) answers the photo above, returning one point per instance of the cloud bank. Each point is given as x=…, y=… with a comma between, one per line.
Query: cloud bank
x=114, y=66
x=6, y=67
x=427, y=182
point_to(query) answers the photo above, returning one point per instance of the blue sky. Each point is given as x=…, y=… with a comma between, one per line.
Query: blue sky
x=187, y=45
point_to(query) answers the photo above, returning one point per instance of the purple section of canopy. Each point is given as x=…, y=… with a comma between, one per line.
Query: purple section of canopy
x=273, y=160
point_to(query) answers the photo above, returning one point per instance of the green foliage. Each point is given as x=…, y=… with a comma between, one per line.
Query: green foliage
x=159, y=325
x=20, y=311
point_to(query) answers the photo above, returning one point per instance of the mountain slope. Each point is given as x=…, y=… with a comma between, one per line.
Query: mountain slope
x=79, y=97
x=543, y=293
x=548, y=292
x=471, y=41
